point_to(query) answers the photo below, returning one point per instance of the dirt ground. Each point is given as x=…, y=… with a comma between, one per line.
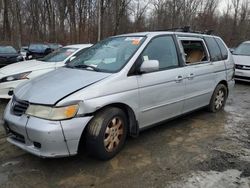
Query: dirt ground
x=198, y=150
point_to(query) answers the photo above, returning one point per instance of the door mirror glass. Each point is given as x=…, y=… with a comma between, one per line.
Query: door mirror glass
x=149, y=66
x=48, y=51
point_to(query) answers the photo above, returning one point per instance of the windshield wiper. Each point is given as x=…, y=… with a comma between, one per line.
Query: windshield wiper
x=84, y=66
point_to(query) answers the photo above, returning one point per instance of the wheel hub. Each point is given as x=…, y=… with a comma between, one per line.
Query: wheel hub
x=113, y=134
x=219, y=100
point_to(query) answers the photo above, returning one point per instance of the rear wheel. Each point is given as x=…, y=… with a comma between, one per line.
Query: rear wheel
x=106, y=133
x=218, y=99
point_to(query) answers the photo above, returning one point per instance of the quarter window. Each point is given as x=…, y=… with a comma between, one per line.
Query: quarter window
x=223, y=49
x=162, y=49
x=214, y=49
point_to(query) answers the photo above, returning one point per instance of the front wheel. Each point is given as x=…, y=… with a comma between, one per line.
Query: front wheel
x=106, y=133
x=218, y=99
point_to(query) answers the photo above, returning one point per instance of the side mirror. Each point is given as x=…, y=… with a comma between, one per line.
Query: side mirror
x=231, y=50
x=72, y=58
x=48, y=51
x=149, y=66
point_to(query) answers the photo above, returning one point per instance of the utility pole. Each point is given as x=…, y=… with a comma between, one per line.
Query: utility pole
x=99, y=20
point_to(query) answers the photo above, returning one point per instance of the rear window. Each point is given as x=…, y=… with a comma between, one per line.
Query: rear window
x=213, y=47
x=59, y=55
x=223, y=49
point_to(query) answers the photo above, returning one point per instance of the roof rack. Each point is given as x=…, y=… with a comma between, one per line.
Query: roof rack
x=187, y=29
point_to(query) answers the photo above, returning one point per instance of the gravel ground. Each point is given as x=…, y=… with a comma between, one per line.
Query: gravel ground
x=198, y=150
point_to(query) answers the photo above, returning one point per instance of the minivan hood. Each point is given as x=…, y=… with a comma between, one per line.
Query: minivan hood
x=50, y=88
x=241, y=60
x=25, y=66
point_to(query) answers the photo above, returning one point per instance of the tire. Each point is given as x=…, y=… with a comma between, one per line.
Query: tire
x=218, y=99
x=106, y=133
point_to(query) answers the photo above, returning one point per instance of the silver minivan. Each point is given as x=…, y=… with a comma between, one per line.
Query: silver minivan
x=117, y=88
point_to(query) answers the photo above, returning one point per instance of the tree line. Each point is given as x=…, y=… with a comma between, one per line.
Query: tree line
x=87, y=21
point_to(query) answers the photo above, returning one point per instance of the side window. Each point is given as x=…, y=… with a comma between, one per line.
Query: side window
x=223, y=48
x=194, y=51
x=162, y=49
x=214, y=49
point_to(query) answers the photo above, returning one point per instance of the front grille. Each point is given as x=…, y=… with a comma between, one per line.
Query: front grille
x=12, y=59
x=19, y=107
x=242, y=67
x=242, y=77
x=3, y=59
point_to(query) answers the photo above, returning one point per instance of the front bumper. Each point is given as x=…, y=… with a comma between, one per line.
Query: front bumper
x=44, y=138
x=242, y=75
x=6, y=87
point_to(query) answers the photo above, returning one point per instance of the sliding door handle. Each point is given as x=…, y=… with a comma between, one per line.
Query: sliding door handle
x=179, y=79
x=190, y=76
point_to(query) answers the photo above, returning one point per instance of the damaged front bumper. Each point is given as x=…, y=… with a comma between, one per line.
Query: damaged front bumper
x=44, y=138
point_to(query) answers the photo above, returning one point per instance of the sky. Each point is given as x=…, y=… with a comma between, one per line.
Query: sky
x=223, y=4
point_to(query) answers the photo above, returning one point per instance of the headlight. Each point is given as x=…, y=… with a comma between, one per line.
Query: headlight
x=19, y=58
x=14, y=77
x=53, y=113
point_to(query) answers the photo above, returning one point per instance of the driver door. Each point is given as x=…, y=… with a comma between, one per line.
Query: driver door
x=161, y=93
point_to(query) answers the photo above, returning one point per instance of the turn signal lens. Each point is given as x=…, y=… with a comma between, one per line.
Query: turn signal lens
x=71, y=111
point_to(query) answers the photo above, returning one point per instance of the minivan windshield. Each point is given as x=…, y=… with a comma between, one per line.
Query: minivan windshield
x=243, y=49
x=59, y=55
x=7, y=49
x=109, y=55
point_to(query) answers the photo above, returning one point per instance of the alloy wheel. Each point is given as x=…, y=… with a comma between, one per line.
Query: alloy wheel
x=113, y=134
x=219, y=100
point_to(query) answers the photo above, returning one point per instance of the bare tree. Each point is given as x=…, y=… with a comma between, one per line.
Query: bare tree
x=79, y=21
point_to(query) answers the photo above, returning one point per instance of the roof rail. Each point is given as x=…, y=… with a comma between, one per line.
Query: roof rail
x=187, y=29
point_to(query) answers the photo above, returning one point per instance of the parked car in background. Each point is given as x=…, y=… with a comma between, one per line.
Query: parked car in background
x=23, y=51
x=55, y=46
x=241, y=57
x=118, y=87
x=13, y=75
x=36, y=51
x=9, y=55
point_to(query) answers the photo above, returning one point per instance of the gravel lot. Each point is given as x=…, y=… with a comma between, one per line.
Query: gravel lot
x=198, y=150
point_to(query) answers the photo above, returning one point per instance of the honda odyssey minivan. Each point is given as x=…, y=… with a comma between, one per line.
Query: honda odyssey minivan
x=117, y=88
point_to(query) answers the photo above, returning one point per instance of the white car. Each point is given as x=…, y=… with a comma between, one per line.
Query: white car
x=13, y=75
x=241, y=57
x=23, y=51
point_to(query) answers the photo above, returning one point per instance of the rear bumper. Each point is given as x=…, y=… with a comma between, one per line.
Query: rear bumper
x=44, y=138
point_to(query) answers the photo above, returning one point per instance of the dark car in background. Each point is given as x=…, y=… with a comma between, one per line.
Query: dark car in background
x=55, y=46
x=9, y=55
x=38, y=50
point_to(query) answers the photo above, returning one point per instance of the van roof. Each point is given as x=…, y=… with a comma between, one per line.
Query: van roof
x=155, y=33
x=78, y=46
